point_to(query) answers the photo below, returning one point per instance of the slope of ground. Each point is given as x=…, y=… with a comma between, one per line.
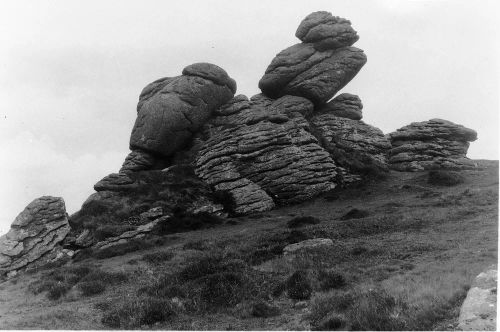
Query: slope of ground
x=407, y=264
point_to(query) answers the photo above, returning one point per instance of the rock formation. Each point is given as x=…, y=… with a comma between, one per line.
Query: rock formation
x=261, y=152
x=35, y=231
x=280, y=147
x=320, y=66
x=433, y=144
x=197, y=148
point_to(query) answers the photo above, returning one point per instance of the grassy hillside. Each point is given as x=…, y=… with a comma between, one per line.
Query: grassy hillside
x=404, y=260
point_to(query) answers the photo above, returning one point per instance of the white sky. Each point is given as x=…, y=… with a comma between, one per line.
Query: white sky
x=71, y=73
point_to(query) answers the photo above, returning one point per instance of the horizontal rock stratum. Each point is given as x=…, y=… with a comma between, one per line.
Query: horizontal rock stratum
x=35, y=231
x=433, y=144
x=264, y=155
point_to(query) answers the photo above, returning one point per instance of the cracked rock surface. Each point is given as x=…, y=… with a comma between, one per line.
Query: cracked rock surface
x=479, y=310
x=326, y=31
x=262, y=154
x=353, y=144
x=345, y=105
x=320, y=66
x=433, y=144
x=35, y=232
x=170, y=110
x=301, y=70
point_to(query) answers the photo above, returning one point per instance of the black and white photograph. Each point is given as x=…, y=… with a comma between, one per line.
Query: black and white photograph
x=320, y=165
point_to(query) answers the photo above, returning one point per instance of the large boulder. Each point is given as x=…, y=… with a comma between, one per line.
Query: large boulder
x=301, y=70
x=170, y=110
x=320, y=66
x=353, y=144
x=433, y=144
x=36, y=231
x=260, y=152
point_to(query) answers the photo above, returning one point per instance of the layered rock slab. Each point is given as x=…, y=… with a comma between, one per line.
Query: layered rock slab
x=354, y=145
x=170, y=110
x=36, y=231
x=433, y=144
x=260, y=152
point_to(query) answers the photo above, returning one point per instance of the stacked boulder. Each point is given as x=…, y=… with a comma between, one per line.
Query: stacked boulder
x=433, y=144
x=35, y=232
x=283, y=146
x=317, y=69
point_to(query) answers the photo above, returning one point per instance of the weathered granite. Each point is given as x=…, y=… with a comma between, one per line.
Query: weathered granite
x=353, y=144
x=301, y=70
x=326, y=31
x=433, y=144
x=41, y=226
x=262, y=154
x=479, y=310
x=170, y=110
x=345, y=105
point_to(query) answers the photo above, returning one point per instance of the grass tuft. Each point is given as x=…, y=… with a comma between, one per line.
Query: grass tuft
x=222, y=289
x=89, y=288
x=301, y=221
x=139, y=312
x=445, y=178
x=330, y=280
x=264, y=310
x=299, y=286
x=158, y=257
x=355, y=214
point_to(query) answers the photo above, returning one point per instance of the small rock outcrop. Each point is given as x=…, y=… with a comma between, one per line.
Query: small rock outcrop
x=170, y=110
x=320, y=66
x=36, y=231
x=479, y=310
x=433, y=144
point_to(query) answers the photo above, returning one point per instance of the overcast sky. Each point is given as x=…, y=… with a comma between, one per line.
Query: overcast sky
x=71, y=73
